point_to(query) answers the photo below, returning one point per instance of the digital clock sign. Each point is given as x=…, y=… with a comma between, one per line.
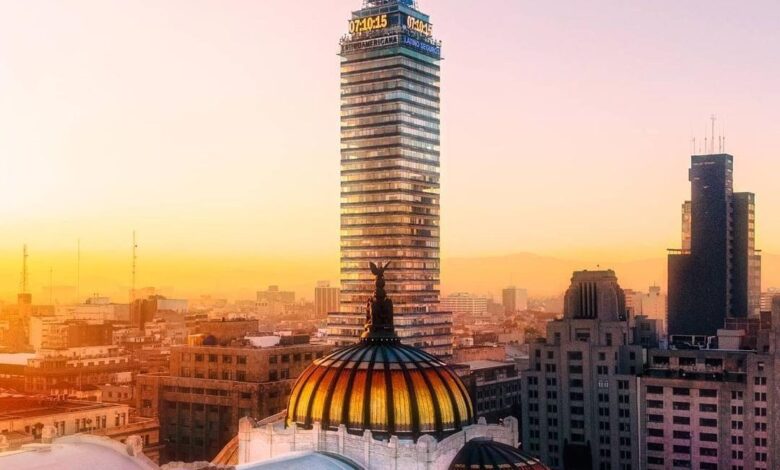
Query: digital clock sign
x=367, y=24
x=419, y=25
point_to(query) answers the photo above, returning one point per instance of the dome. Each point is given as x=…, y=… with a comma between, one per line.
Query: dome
x=381, y=385
x=482, y=453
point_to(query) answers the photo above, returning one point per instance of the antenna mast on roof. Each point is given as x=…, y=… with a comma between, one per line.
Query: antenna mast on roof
x=712, y=134
x=25, y=273
x=132, y=281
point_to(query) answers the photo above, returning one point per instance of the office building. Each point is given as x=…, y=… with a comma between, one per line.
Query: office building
x=274, y=301
x=210, y=388
x=708, y=409
x=717, y=273
x=326, y=299
x=390, y=172
x=514, y=300
x=465, y=304
x=579, y=393
x=494, y=387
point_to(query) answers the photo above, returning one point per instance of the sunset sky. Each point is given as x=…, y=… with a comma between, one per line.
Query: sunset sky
x=212, y=128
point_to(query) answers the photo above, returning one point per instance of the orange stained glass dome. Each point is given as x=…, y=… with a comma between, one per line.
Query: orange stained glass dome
x=384, y=386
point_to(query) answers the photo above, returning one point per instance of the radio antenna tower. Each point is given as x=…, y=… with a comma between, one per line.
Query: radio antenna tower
x=78, y=270
x=712, y=134
x=135, y=258
x=25, y=274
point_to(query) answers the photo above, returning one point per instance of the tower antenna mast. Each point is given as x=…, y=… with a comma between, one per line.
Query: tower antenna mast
x=712, y=134
x=135, y=258
x=25, y=274
x=78, y=270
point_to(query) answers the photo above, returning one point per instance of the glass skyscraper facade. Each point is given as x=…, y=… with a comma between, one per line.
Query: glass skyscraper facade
x=390, y=173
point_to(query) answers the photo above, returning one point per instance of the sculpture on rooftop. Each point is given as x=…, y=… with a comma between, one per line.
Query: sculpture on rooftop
x=379, y=309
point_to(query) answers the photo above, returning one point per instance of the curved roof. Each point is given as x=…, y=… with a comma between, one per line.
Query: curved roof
x=483, y=453
x=307, y=460
x=76, y=453
x=383, y=386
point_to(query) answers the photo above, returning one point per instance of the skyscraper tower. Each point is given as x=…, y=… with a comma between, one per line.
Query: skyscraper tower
x=717, y=273
x=390, y=172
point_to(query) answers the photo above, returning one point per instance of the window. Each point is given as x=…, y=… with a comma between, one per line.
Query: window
x=681, y=449
x=285, y=358
x=681, y=420
x=708, y=408
x=681, y=391
x=198, y=357
x=575, y=355
x=760, y=380
x=240, y=359
x=227, y=359
x=655, y=418
x=708, y=437
x=655, y=432
x=212, y=358
x=655, y=404
x=655, y=446
x=655, y=389
x=272, y=359
x=241, y=376
x=681, y=434
x=273, y=376
x=708, y=422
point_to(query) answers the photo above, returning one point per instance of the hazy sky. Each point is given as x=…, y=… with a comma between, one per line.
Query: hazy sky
x=211, y=127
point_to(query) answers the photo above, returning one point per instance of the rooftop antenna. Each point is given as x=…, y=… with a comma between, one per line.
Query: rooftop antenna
x=25, y=274
x=78, y=270
x=712, y=134
x=693, y=151
x=135, y=258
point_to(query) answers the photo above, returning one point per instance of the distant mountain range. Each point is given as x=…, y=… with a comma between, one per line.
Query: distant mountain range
x=547, y=275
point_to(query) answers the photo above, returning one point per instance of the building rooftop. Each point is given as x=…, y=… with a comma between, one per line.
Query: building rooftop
x=16, y=359
x=307, y=460
x=30, y=407
x=77, y=453
x=485, y=364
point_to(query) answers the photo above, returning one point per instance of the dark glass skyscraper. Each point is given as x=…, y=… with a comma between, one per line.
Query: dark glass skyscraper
x=717, y=273
x=390, y=172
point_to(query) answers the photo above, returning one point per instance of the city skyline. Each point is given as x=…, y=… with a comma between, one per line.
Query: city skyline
x=203, y=155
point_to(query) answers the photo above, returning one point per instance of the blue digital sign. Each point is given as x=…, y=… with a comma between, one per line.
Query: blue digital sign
x=422, y=46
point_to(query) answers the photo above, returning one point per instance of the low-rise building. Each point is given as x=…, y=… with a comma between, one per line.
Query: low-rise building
x=494, y=387
x=23, y=419
x=211, y=387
